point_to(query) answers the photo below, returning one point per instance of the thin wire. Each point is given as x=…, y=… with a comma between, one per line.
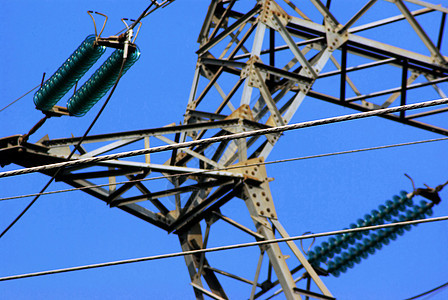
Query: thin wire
x=232, y=167
x=19, y=98
x=429, y=292
x=70, y=155
x=145, y=13
x=229, y=137
x=309, y=247
x=142, y=15
x=221, y=248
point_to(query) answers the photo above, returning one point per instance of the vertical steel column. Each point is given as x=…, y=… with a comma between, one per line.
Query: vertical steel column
x=404, y=82
x=343, y=72
x=271, y=53
x=260, y=205
x=256, y=50
x=442, y=28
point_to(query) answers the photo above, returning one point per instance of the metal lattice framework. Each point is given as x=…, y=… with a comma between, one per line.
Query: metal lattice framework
x=254, y=70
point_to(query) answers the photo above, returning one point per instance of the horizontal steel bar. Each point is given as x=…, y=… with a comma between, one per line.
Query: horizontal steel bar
x=392, y=117
x=169, y=169
x=397, y=89
x=427, y=113
x=231, y=275
x=284, y=47
x=170, y=192
x=266, y=68
x=222, y=62
x=282, y=73
x=97, y=174
x=360, y=67
x=143, y=133
x=388, y=20
x=204, y=114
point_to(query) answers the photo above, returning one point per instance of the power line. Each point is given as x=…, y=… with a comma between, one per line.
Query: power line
x=19, y=98
x=429, y=292
x=221, y=248
x=70, y=155
x=229, y=137
x=232, y=167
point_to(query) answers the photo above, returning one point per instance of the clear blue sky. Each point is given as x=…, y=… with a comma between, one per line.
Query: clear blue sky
x=314, y=195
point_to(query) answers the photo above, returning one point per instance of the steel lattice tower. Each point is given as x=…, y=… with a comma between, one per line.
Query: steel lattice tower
x=255, y=67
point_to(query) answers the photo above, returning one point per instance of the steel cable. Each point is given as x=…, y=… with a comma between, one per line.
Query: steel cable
x=221, y=248
x=20, y=98
x=229, y=137
x=231, y=167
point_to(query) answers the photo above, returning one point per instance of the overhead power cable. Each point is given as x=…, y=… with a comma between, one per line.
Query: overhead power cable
x=70, y=155
x=279, y=129
x=19, y=98
x=429, y=292
x=221, y=248
x=230, y=168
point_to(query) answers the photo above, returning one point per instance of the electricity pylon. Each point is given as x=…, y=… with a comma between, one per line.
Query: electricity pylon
x=255, y=67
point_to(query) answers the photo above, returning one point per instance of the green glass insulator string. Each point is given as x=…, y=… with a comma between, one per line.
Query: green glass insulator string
x=344, y=251
x=100, y=82
x=68, y=74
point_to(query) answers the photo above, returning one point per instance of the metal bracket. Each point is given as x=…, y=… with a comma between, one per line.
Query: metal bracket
x=270, y=8
x=334, y=38
x=248, y=71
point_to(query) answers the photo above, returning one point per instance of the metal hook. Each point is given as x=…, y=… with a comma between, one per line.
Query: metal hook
x=126, y=24
x=309, y=247
x=412, y=181
x=104, y=24
x=94, y=23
